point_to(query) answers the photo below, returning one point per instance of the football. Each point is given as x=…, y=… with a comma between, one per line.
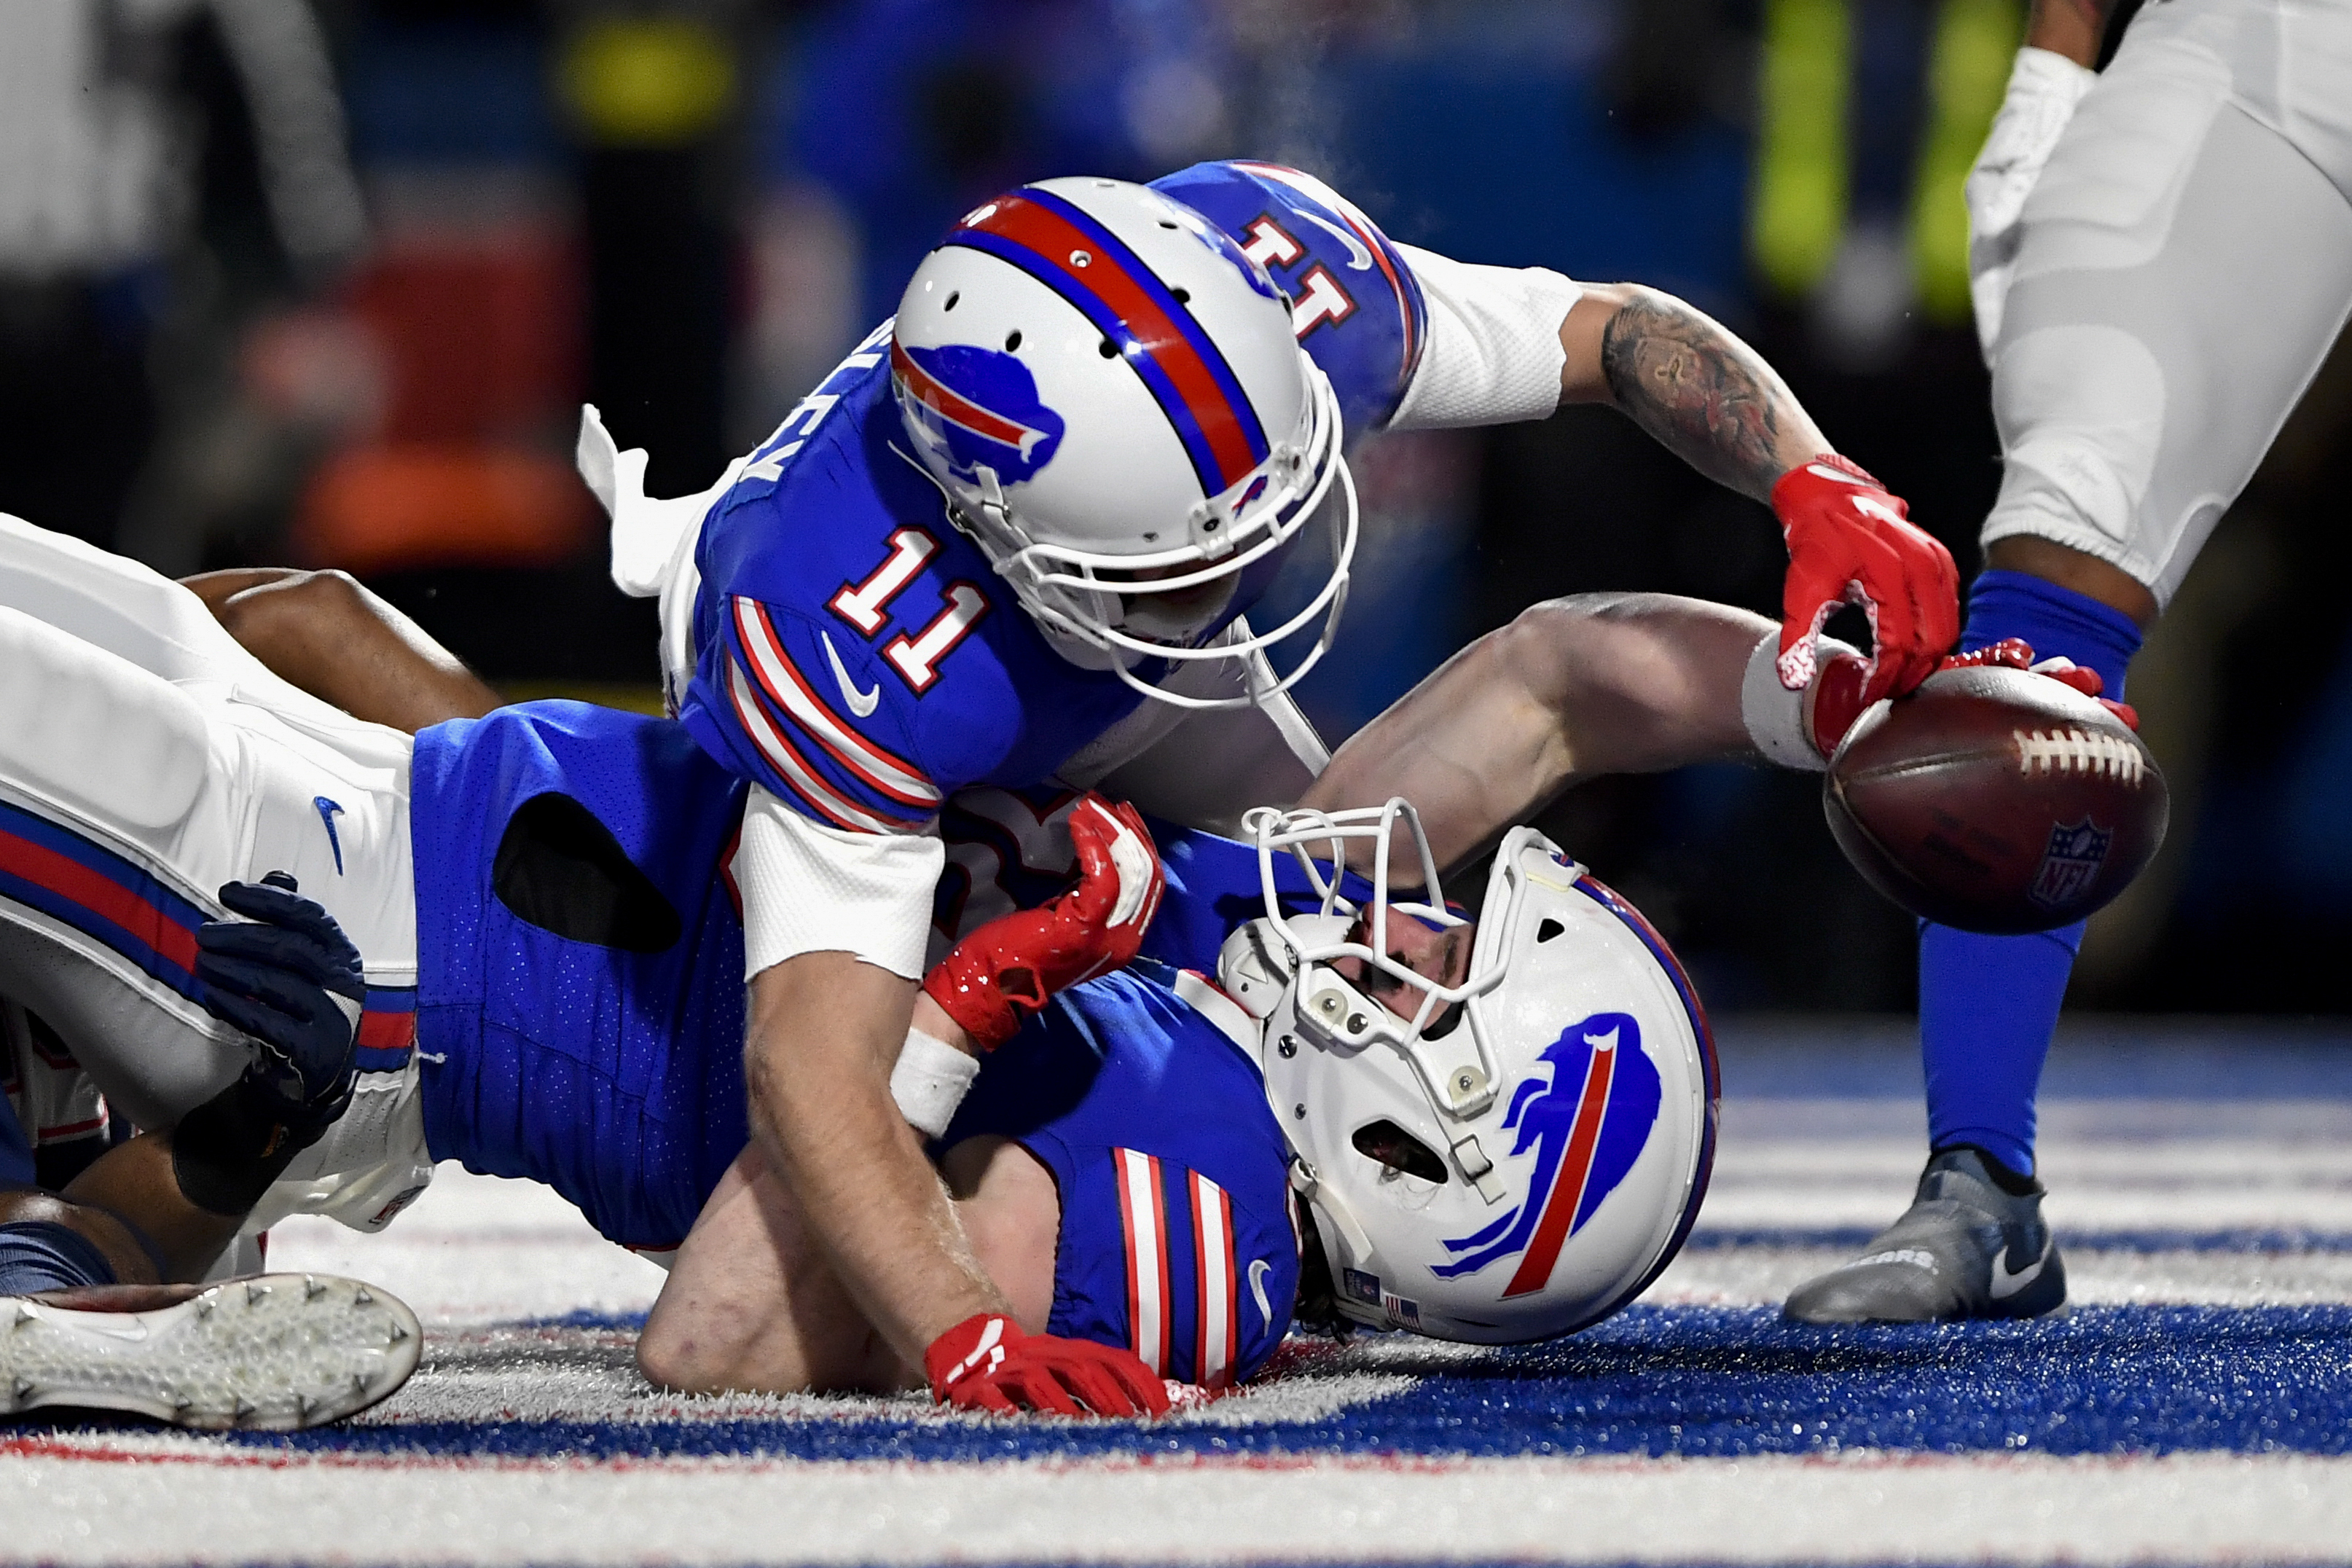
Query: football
x=1996, y=800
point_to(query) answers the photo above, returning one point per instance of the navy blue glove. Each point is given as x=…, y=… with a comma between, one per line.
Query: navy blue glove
x=288, y=977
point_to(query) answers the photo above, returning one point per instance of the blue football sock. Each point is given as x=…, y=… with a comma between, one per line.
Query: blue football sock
x=38, y=1254
x=1988, y=1005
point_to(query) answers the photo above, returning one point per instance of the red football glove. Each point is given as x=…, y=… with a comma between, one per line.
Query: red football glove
x=1838, y=701
x=1015, y=963
x=986, y=1362
x=1848, y=545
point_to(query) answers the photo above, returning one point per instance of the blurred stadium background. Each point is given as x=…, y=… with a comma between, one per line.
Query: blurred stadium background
x=325, y=284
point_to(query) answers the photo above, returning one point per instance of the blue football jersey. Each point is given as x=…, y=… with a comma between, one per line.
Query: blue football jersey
x=579, y=1022
x=1354, y=303
x=1177, y=1237
x=580, y=959
x=856, y=654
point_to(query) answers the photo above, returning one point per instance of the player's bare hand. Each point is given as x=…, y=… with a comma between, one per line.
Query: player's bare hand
x=987, y=1363
x=1013, y=966
x=1850, y=543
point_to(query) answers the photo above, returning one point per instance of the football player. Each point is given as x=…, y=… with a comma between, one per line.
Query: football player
x=580, y=1004
x=772, y=700
x=2161, y=255
x=1014, y=537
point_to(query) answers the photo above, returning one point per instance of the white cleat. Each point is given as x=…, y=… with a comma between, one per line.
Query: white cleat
x=273, y=1355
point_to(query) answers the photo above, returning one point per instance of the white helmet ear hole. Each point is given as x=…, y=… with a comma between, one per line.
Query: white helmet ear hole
x=1548, y=930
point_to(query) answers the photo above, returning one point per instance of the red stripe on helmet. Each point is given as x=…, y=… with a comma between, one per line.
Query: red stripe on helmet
x=1052, y=237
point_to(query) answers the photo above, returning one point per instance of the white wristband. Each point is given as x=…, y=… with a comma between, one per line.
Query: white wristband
x=1775, y=716
x=930, y=1080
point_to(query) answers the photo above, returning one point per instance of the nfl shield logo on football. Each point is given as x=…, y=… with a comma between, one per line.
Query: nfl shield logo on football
x=2076, y=852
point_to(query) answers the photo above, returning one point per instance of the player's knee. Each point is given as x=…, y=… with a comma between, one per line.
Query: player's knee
x=95, y=732
x=300, y=605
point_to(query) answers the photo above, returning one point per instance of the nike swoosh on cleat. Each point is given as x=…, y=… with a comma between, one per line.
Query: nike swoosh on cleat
x=861, y=703
x=327, y=810
x=2006, y=1284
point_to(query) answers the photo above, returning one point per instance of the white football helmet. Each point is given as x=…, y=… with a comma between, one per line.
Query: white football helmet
x=1524, y=1155
x=1109, y=393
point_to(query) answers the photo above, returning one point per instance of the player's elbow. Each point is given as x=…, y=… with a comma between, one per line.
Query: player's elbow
x=672, y=1355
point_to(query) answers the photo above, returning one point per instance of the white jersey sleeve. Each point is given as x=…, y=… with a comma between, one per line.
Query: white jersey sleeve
x=808, y=888
x=1493, y=355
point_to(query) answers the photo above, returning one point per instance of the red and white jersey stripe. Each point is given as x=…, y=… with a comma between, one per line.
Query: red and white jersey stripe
x=1215, y=1276
x=794, y=769
x=1142, y=1213
x=791, y=692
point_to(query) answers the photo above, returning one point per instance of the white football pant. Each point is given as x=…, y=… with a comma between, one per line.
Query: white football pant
x=144, y=763
x=2186, y=263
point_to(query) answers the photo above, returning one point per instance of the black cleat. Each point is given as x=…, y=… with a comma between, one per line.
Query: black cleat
x=1967, y=1247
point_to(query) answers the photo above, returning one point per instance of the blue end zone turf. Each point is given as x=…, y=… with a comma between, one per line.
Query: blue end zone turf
x=1692, y=1381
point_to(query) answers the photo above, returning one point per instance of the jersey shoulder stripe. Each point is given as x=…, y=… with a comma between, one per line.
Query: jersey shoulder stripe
x=790, y=774
x=1411, y=310
x=1198, y=391
x=781, y=680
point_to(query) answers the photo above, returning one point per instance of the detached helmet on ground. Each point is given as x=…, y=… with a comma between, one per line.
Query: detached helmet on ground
x=1109, y=393
x=1525, y=1155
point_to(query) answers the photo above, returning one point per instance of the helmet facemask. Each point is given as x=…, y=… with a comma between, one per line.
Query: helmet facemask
x=1414, y=1145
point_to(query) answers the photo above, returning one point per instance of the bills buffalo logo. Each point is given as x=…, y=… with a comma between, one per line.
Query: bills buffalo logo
x=978, y=406
x=2072, y=859
x=1587, y=1122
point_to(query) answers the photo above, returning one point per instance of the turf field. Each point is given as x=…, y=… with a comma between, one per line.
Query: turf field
x=2194, y=1404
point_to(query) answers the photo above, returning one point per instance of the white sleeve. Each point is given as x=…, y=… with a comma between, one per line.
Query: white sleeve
x=1493, y=355
x=810, y=888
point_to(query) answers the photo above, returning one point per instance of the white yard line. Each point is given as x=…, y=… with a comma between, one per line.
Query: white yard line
x=1844, y=1509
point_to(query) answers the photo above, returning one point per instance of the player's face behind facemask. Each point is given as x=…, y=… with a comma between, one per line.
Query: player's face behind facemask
x=1109, y=394
x=1514, y=1178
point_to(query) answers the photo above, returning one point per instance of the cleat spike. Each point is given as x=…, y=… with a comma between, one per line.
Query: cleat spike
x=25, y=1314
x=302, y=1407
x=311, y=1288
x=359, y=1382
x=363, y=1298
x=24, y=1387
x=254, y=1292
x=244, y=1407
x=205, y=1305
x=398, y=1333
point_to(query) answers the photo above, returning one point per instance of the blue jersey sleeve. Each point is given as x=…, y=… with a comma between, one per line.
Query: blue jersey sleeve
x=1177, y=1239
x=856, y=654
x=1354, y=303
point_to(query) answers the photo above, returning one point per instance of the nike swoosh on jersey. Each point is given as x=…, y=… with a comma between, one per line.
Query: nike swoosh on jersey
x=2006, y=1284
x=1360, y=259
x=861, y=703
x=1258, y=1269
x=327, y=810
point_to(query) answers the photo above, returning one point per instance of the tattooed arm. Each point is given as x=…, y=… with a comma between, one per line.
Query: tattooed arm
x=1681, y=376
